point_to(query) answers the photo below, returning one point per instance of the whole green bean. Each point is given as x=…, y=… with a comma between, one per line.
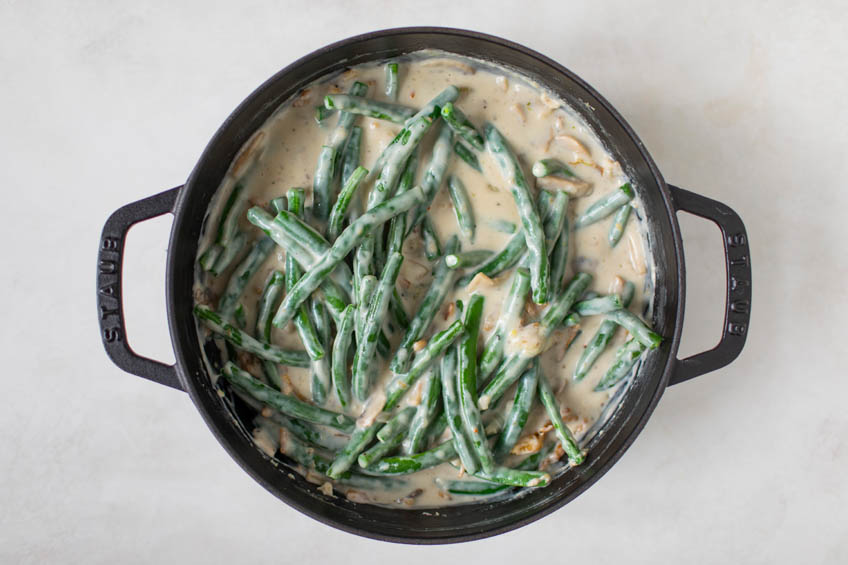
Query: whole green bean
x=228, y=254
x=228, y=224
x=559, y=258
x=618, y=224
x=432, y=245
x=427, y=309
x=242, y=275
x=525, y=395
x=462, y=207
x=398, y=424
x=606, y=206
x=545, y=167
x=369, y=107
x=361, y=437
x=462, y=126
x=453, y=414
x=424, y=413
x=516, y=477
x=350, y=155
x=241, y=340
x=341, y=347
x=271, y=293
x=499, y=262
x=534, y=234
x=467, y=155
x=320, y=368
x=509, y=318
x=637, y=328
x=599, y=305
x=284, y=403
x=337, y=214
x=566, y=438
x=555, y=220
x=347, y=240
x=398, y=312
x=466, y=259
x=379, y=450
x=434, y=174
x=467, y=382
x=625, y=359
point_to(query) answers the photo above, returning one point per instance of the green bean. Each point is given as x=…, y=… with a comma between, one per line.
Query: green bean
x=513, y=366
x=279, y=204
x=534, y=235
x=434, y=174
x=545, y=167
x=392, y=80
x=509, y=318
x=398, y=424
x=397, y=229
x=618, y=224
x=516, y=477
x=241, y=340
x=242, y=275
x=525, y=395
x=321, y=367
x=555, y=220
x=321, y=114
x=300, y=430
x=453, y=414
x=366, y=290
x=228, y=254
x=369, y=107
x=625, y=359
x=325, y=169
x=271, y=293
x=337, y=215
x=361, y=437
x=424, y=413
x=462, y=126
x=396, y=154
x=284, y=403
x=398, y=312
x=559, y=258
x=364, y=365
x=606, y=206
x=637, y=328
x=347, y=240
x=573, y=319
x=466, y=259
x=405, y=464
x=599, y=305
x=502, y=226
x=499, y=262
x=341, y=347
x=467, y=155
x=427, y=309
x=467, y=382
x=470, y=488
x=379, y=450
x=240, y=316
x=210, y=256
x=350, y=155
x=566, y=438
x=228, y=224
x=462, y=207
x=602, y=337
x=432, y=246
x=423, y=359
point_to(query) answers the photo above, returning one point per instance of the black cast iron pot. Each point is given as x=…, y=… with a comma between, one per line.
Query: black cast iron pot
x=188, y=204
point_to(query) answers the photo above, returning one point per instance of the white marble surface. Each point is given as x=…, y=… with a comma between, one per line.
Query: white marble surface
x=103, y=103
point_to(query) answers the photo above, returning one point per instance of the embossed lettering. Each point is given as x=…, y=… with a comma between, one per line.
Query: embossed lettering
x=111, y=335
x=111, y=244
x=740, y=306
x=108, y=267
x=736, y=328
x=109, y=289
x=737, y=284
x=741, y=261
x=737, y=240
x=106, y=312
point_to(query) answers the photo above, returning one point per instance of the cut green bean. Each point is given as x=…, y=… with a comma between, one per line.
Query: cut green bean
x=467, y=155
x=361, y=437
x=618, y=224
x=405, y=464
x=271, y=293
x=606, y=206
x=434, y=174
x=509, y=318
x=320, y=368
x=392, y=80
x=566, y=438
x=240, y=316
x=321, y=114
x=559, y=258
x=366, y=291
x=424, y=413
x=525, y=395
x=379, y=450
x=284, y=403
x=398, y=424
x=499, y=262
x=427, y=309
x=397, y=229
x=341, y=347
x=337, y=216
x=513, y=366
x=534, y=234
x=555, y=220
x=453, y=414
x=241, y=340
x=602, y=337
x=502, y=226
x=369, y=107
x=423, y=359
x=347, y=240
x=637, y=328
x=228, y=254
x=466, y=259
x=350, y=155
x=210, y=256
x=467, y=382
x=625, y=358
x=462, y=126
x=364, y=366
x=432, y=246
x=398, y=312
x=599, y=305
x=228, y=224
x=545, y=167
x=242, y=275
x=462, y=207
x=516, y=477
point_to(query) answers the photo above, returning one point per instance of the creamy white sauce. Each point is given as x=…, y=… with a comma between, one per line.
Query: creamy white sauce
x=283, y=154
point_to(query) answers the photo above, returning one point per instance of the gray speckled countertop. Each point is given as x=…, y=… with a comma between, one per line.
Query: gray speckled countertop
x=103, y=103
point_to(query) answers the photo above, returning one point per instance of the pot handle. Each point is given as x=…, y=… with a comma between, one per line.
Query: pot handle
x=737, y=308
x=110, y=305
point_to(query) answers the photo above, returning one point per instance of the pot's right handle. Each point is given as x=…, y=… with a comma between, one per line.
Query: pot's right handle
x=737, y=308
x=110, y=304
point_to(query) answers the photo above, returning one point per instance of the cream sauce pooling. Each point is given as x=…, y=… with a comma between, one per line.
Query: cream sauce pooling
x=283, y=154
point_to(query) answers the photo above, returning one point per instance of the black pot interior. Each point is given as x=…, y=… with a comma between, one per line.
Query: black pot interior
x=453, y=523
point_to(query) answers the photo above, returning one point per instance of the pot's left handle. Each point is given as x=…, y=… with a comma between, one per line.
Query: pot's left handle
x=110, y=305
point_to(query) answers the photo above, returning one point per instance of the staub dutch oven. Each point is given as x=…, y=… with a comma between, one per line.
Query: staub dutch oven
x=188, y=204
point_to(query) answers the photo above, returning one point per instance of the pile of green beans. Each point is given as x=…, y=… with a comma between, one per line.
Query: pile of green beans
x=339, y=290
